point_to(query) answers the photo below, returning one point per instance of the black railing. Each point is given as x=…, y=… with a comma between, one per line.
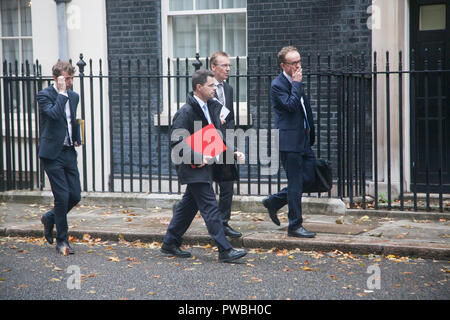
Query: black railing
x=359, y=116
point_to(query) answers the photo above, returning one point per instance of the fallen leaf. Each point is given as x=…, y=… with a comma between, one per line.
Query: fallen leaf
x=54, y=280
x=131, y=289
x=362, y=219
x=340, y=220
x=281, y=253
x=113, y=259
x=307, y=268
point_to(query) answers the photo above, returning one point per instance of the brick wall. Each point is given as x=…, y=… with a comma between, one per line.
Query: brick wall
x=334, y=27
x=134, y=34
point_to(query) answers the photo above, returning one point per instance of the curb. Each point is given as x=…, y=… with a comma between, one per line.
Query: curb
x=251, y=204
x=424, y=250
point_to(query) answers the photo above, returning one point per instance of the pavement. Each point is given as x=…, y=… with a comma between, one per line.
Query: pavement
x=144, y=217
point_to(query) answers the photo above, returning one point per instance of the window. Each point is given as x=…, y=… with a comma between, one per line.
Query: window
x=432, y=17
x=202, y=26
x=15, y=34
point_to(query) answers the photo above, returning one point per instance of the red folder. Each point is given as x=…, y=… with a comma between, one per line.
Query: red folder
x=206, y=141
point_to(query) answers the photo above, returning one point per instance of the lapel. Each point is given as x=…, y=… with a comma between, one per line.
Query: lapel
x=285, y=81
x=52, y=92
x=54, y=95
x=227, y=91
x=197, y=109
x=213, y=108
x=72, y=106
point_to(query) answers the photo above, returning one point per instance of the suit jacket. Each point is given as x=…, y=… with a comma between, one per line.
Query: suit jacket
x=53, y=121
x=289, y=115
x=228, y=90
x=184, y=118
x=226, y=172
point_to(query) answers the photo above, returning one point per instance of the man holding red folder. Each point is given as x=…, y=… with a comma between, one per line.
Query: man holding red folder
x=196, y=170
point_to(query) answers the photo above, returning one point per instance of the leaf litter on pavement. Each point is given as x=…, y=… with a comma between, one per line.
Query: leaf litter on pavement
x=292, y=261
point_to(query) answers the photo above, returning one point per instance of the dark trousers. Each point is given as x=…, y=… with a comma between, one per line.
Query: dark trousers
x=225, y=199
x=300, y=173
x=198, y=196
x=65, y=183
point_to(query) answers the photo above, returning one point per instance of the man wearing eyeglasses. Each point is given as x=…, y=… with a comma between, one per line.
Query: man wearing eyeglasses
x=59, y=135
x=294, y=119
x=225, y=174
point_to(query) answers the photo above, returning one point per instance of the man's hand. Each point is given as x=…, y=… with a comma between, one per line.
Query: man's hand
x=61, y=84
x=240, y=157
x=75, y=143
x=298, y=75
x=206, y=160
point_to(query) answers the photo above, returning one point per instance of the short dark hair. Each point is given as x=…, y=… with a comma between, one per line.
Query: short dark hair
x=200, y=77
x=61, y=66
x=283, y=52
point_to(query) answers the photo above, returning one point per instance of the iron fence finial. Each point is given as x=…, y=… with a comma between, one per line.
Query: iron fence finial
x=81, y=64
x=197, y=63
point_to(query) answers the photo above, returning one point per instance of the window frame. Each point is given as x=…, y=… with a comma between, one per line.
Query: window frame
x=167, y=52
x=19, y=37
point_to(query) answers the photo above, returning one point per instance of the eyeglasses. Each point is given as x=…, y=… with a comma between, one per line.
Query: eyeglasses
x=224, y=65
x=292, y=63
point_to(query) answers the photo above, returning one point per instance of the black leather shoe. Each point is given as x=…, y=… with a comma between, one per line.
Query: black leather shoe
x=231, y=255
x=231, y=232
x=301, y=233
x=175, y=251
x=62, y=248
x=71, y=251
x=272, y=212
x=48, y=230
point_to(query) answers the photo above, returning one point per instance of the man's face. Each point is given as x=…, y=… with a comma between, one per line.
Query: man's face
x=292, y=62
x=68, y=77
x=206, y=91
x=221, y=68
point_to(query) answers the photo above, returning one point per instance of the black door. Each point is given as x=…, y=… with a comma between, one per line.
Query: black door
x=430, y=92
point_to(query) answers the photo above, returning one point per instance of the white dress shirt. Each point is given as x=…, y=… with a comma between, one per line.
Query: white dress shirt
x=205, y=110
x=68, y=118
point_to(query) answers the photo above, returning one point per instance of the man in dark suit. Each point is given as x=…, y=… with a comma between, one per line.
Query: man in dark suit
x=294, y=119
x=59, y=135
x=220, y=65
x=196, y=171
